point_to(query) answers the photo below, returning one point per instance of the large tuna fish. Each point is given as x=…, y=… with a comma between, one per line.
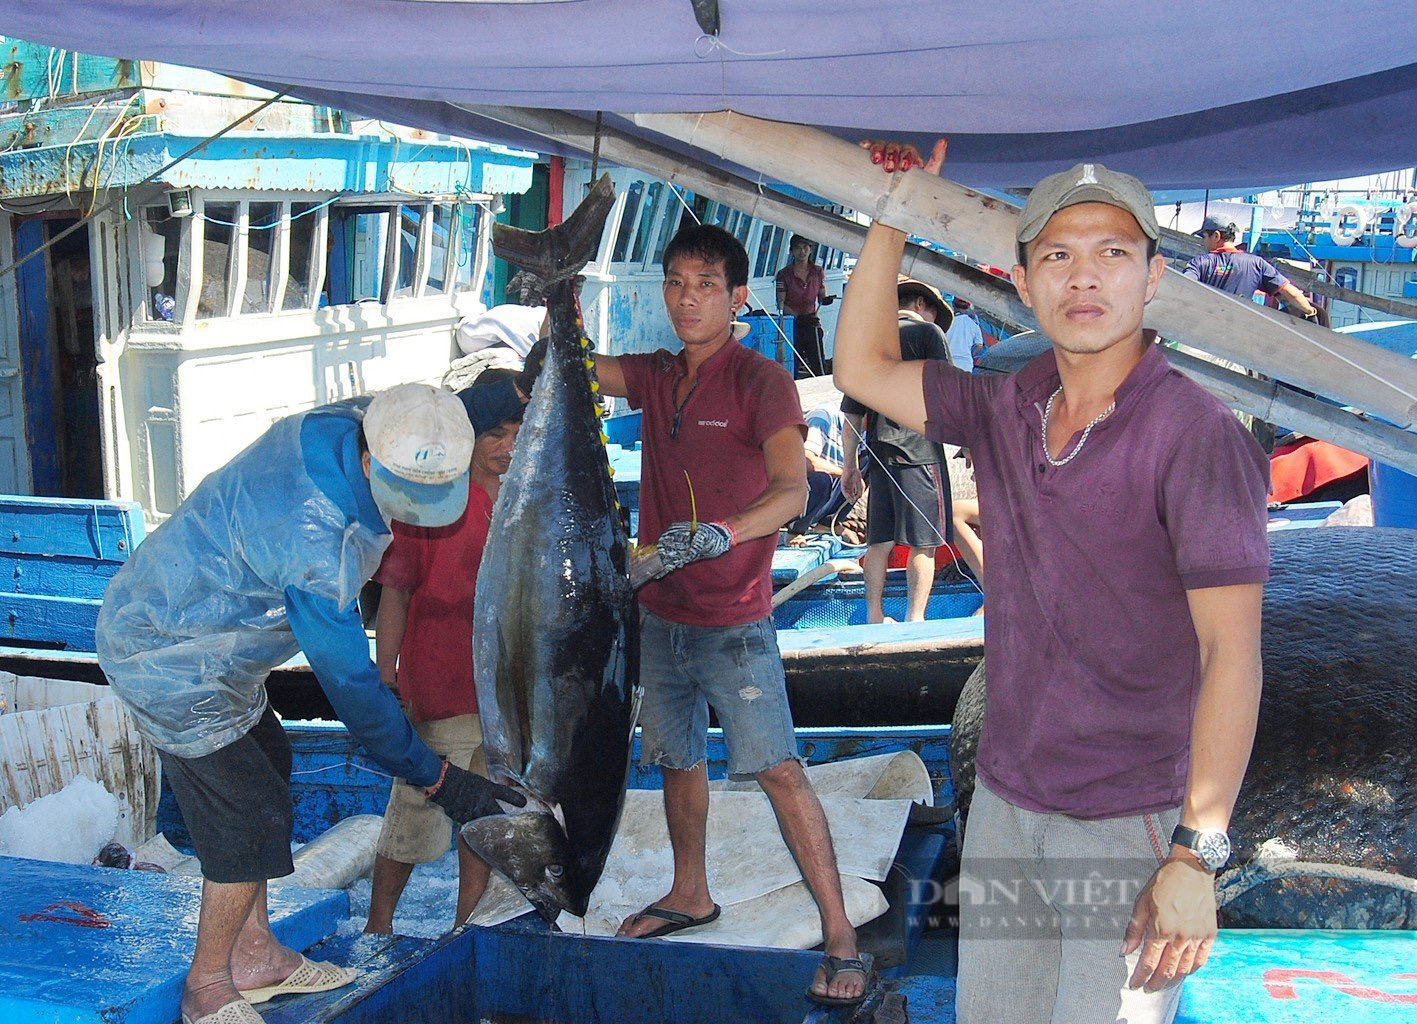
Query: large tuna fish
x=1333, y=777
x=555, y=632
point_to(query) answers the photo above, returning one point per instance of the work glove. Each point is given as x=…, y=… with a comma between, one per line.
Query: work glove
x=680, y=544
x=464, y=795
x=531, y=368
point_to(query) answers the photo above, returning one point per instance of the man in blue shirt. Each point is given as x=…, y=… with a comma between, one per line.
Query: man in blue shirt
x=266, y=557
x=1241, y=273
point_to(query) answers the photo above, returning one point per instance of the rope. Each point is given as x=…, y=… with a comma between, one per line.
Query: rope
x=1239, y=881
x=595, y=146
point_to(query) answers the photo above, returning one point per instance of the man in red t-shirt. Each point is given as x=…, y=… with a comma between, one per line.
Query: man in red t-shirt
x=731, y=422
x=424, y=652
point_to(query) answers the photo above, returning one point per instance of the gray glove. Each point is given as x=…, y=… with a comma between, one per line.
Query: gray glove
x=680, y=544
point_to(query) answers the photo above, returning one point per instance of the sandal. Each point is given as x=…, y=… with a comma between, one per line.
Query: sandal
x=673, y=920
x=863, y=965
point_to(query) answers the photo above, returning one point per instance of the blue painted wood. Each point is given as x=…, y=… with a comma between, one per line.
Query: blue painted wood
x=624, y=430
x=101, y=530
x=56, y=576
x=1301, y=976
x=56, y=558
x=41, y=621
x=1301, y=515
x=956, y=630
x=37, y=356
x=89, y=945
x=1253, y=977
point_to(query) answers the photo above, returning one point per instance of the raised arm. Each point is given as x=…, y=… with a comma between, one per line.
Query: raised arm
x=867, y=364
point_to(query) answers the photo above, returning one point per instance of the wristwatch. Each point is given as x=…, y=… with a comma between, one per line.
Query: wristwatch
x=1210, y=845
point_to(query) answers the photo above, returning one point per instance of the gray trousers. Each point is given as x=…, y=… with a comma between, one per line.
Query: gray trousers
x=1044, y=905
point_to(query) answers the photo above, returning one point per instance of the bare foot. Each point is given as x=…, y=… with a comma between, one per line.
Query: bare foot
x=637, y=926
x=846, y=984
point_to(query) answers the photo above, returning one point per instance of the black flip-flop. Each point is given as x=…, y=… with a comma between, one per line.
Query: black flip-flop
x=674, y=921
x=834, y=965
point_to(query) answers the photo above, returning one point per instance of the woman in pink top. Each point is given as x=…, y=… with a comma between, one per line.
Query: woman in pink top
x=801, y=289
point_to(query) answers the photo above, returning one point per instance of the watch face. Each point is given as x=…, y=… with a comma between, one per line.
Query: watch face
x=1213, y=849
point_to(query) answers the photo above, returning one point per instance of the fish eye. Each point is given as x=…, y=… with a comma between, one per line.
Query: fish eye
x=555, y=870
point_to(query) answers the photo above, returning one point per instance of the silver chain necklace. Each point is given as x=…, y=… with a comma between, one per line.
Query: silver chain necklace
x=1047, y=414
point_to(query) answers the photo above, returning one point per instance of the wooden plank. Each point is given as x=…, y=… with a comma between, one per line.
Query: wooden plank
x=55, y=576
x=103, y=530
x=39, y=620
x=1183, y=310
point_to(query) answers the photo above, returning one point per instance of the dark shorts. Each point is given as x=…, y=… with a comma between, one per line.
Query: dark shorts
x=236, y=804
x=907, y=505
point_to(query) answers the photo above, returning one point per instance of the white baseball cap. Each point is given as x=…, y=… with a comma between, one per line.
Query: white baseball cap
x=420, y=443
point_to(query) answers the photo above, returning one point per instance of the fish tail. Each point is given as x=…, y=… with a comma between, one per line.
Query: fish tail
x=558, y=254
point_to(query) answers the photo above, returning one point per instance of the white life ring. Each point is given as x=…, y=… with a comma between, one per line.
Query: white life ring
x=1336, y=231
x=1406, y=215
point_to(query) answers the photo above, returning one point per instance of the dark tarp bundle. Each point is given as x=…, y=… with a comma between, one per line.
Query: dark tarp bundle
x=1182, y=95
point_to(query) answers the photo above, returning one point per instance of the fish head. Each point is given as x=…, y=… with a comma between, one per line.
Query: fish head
x=530, y=849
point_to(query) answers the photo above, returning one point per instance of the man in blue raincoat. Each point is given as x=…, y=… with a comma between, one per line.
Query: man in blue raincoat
x=264, y=558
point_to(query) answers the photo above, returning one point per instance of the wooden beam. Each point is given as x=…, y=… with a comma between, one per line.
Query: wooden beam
x=1317, y=419
x=767, y=204
x=1351, y=371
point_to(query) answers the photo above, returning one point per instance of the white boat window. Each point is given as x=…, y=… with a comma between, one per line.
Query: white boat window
x=675, y=217
x=648, y=211
x=627, y=222
x=262, y=254
x=442, y=231
x=218, y=248
x=161, y=239
x=742, y=228
x=469, y=222
x=358, y=240
x=766, y=263
x=304, y=218
x=410, y=222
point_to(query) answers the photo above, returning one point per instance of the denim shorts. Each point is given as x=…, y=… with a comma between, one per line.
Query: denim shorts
x=737, y=670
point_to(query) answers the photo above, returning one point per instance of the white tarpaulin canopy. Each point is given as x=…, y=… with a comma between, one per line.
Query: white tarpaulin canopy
x=1183, y=95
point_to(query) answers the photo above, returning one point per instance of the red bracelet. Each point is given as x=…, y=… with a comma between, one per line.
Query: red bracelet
x=431, y=790
x=732, y=533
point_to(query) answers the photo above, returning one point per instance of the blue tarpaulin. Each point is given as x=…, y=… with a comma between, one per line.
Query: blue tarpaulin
x=1183, y=95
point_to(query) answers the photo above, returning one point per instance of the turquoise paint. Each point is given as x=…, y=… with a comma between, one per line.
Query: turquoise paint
x=103, y=946
x=34, y=71
x=269, y=162
x=1299, y=977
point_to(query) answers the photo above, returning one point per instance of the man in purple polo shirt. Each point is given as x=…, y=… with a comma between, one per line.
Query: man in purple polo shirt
x=721, y=418
x=1125, y=511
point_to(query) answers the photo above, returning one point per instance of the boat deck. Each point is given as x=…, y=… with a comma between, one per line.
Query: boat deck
x=87, y=945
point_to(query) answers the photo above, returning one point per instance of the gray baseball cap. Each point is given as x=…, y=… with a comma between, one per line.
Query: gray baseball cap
x=1086, y=183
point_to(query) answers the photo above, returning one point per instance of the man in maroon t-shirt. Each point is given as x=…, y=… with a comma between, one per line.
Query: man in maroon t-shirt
x=424, y=652
x=1125, y=511
x=727, y=422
